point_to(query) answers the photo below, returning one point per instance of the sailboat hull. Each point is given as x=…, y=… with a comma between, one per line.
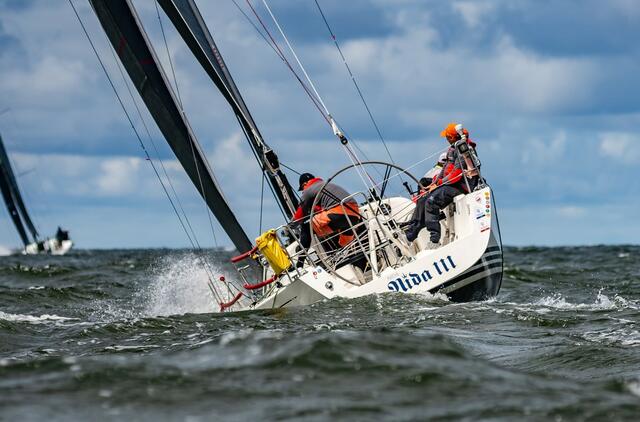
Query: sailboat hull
x=480, y=282
x=49, y=246
x=467, y=268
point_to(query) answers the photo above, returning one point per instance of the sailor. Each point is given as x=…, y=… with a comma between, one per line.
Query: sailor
x=417, y=221
x=335, y=213
x=61, y=235
x=445, y=186
x=436, y=169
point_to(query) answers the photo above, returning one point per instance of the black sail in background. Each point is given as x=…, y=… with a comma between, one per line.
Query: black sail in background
x=13, y=184
x=7, y=193
x=123, y=28
x=185, y=16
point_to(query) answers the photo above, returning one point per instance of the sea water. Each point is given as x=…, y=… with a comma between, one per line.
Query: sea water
x=131, y=334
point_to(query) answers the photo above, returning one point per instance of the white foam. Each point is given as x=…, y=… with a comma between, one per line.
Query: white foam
x=602, y=302
x=434, y=297
x=119, y=348
x=179, y=286
x=620, y=336
x=634, y=387
x=4, y=251
x=34, y=319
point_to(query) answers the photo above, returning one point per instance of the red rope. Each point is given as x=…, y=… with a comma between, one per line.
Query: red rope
x=225, y=305
x=244, y=255
x=262, y=283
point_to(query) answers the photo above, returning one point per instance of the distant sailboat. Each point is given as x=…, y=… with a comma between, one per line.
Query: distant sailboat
x=58, y=245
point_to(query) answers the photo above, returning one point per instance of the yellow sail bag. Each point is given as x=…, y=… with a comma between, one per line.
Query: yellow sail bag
x=269, y=246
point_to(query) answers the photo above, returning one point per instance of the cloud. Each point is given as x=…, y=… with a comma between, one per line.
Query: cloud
x=116, y=176
x=97, y=177
x=474, y=12
x=572, y=211
x=621, y=146
x=545, y=102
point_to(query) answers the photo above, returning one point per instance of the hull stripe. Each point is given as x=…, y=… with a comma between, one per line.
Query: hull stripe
x=467, y=274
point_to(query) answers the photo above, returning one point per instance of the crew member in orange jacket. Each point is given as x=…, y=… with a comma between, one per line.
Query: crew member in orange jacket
x=334, y=215
x=446, y=185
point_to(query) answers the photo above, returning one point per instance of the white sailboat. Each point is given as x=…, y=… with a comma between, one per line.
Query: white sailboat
x=57, y=245
x=466, y=265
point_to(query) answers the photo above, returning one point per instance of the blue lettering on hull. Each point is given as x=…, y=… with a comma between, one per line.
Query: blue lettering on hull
x=408, y=281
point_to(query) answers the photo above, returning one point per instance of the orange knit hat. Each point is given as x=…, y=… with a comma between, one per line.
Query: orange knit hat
x=450, y=131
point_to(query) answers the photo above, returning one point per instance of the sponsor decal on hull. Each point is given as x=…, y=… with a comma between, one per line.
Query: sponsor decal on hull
x=409, y=281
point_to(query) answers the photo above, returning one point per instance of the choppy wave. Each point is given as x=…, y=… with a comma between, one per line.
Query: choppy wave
x=32, y=318
x=132, y=334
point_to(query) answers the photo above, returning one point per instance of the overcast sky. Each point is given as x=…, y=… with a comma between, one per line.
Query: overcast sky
x=548, y=89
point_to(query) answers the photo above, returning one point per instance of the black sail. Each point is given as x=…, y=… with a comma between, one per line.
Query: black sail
x=124, y=30
x=13, y=184
x=7, y=193
x=185, y=16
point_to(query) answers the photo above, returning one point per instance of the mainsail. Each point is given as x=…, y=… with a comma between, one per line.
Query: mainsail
x=13, y=198
x=186, y=17
x=124, y=30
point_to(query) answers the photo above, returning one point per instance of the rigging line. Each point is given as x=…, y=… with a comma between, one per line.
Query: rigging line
x=289, y=168
x=135, y=130
x=216, y=295
x=296, y=57
x=283, y=57
x=84, y=29
x=204, y=195
x=175, y=81
x=261, y=202
x=355, y=144
x=254, y=131
x=275, y=49
x=193, y=141
x=259, y=139
x=353, y=156
x=166, y=45
x=263, y=170
x=193, y=242
x=353, y=79
x=328, y=116
x=254, y=27
x=279, y=54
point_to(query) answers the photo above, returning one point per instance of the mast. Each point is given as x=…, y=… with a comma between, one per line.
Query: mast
x=13, y=185
x=124, y=30
x=7, y=193
x=186, y=17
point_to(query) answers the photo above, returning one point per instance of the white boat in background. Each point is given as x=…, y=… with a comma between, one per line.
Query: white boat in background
x=58, y=245
x=466, y=265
